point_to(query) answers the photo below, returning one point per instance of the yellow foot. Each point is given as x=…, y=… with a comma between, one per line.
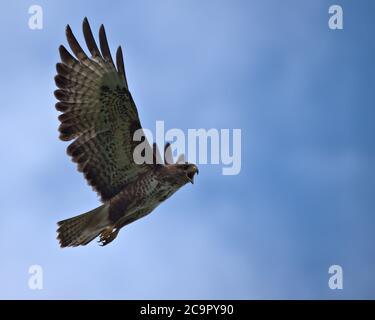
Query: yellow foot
x=108, y=235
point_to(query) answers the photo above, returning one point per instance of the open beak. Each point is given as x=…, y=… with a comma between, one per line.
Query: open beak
x=191, y=173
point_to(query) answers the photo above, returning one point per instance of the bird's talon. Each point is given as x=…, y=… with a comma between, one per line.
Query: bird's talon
x=107, y=236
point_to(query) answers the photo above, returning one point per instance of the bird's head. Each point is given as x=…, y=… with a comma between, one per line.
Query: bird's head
x=183, y=172
x=189, y=171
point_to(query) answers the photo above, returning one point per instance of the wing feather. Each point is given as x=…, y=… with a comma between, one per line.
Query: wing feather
x=104, y=45
x=120, y=66
x=90, y=41
x=98, y=114
x=74, y=45
x=168, y=157
x=66, y=57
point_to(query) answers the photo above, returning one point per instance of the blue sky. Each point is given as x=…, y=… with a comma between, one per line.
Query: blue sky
x=302, y=95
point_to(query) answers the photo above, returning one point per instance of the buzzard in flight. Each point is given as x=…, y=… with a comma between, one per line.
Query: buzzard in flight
x=100, y=117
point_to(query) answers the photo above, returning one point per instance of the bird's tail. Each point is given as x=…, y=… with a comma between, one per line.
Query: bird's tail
x=80, y=230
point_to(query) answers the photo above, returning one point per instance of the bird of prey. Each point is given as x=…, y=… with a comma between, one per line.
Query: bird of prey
x=100, y=117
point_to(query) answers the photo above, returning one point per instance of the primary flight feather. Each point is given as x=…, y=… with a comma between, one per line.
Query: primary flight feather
x=99, y=116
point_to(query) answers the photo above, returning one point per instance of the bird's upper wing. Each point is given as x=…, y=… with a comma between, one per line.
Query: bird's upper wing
x=99, y=114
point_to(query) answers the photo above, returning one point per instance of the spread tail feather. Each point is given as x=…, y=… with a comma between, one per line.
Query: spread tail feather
x=82, y=229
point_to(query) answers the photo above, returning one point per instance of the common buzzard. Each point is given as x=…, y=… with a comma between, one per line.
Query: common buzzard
x=100, y=116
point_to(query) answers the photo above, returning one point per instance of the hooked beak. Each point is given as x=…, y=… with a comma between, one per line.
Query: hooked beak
x=193, y=169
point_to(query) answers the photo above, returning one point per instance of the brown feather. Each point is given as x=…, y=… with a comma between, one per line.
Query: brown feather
x=120, y=66
x=99, y=115
x=168, y=157
x=104, y=45
x=90, y=41
x=66, y=57
x=74, y=45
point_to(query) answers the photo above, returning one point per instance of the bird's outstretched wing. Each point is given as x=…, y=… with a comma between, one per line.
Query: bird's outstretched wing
x=99, y=114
